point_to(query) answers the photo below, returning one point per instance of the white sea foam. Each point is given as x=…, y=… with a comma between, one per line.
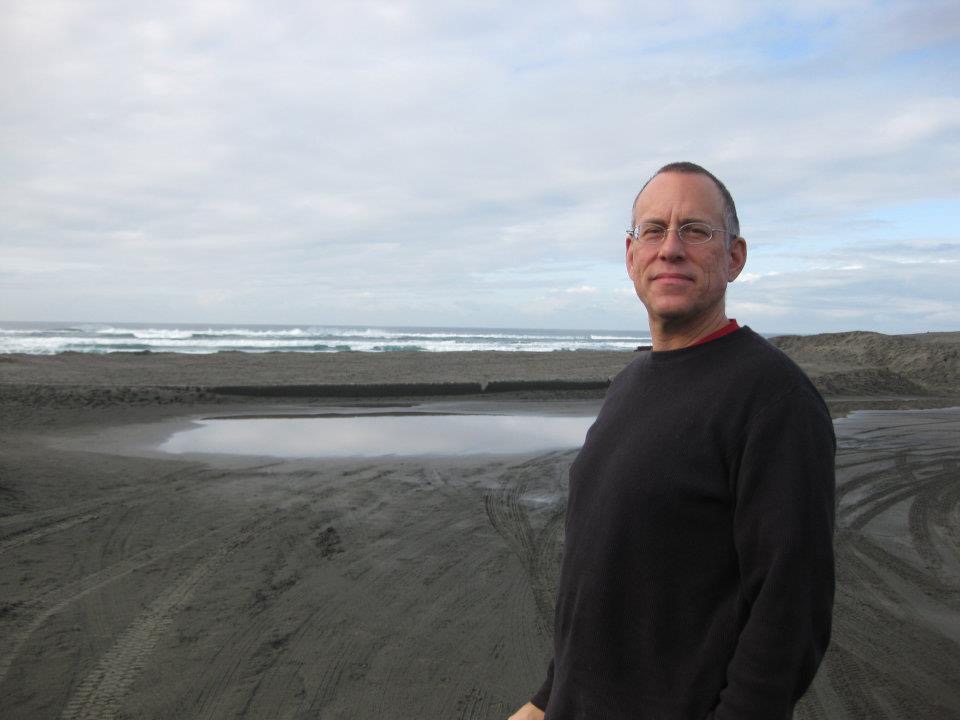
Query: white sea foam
x=49, y=338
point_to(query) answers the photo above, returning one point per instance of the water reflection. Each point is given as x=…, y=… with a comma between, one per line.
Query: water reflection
x=400, y=434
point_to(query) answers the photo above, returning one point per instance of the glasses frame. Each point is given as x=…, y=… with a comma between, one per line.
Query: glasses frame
x=634, y=233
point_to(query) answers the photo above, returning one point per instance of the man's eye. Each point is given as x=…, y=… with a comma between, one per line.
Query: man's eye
x=651, y=232
x=697, y=232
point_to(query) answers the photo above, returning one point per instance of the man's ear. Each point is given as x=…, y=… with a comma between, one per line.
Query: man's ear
x=736, y=258
x=629, y=258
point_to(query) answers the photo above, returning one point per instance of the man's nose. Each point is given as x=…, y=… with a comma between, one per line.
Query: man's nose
x=672, y=247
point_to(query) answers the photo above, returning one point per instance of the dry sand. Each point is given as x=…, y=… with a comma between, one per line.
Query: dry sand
x=138, y=585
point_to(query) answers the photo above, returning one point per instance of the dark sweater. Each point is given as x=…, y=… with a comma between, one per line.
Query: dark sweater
x=697, y=575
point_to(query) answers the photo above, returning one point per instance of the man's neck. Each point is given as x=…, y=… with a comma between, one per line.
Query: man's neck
x=671, y=336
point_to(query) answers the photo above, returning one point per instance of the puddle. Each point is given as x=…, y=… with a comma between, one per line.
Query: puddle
x=380, y=434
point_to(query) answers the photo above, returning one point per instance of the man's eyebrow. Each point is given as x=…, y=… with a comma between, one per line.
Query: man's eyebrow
x=665, y=223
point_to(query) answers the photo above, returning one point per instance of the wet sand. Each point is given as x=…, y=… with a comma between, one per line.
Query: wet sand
x=134, y=584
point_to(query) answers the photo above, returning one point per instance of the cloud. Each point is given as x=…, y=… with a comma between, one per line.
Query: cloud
x=417, y=163
x=858, y=286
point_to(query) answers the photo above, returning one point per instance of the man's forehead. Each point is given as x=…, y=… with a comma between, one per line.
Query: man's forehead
x=692, y=191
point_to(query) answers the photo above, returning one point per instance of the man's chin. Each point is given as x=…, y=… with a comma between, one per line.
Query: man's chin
x=671, y=312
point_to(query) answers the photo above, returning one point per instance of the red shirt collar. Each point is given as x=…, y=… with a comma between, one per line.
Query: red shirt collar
x=730, y=327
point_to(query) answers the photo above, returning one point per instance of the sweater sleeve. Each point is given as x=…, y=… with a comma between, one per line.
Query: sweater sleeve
x=783, y=533
x=542, y=696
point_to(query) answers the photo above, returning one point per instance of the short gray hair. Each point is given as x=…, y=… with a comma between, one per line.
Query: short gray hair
x=731, y=223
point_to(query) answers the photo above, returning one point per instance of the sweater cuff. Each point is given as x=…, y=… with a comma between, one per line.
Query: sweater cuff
x=542, y=696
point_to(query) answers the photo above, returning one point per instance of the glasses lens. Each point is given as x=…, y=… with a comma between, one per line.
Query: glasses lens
x=696, y=233
x=650, y=232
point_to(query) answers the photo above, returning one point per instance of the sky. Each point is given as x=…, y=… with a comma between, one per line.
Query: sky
x=471, y=163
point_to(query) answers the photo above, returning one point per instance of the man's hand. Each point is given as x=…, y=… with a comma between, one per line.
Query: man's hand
x=527, y=712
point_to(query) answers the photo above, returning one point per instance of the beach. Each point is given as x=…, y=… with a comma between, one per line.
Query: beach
x=140, y=584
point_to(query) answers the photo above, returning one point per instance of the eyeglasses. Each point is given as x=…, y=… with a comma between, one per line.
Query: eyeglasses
x=694, y=233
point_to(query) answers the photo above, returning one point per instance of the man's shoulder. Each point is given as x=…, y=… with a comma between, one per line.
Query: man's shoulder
x=742, y=362
x=767, y=374
x=754, y=350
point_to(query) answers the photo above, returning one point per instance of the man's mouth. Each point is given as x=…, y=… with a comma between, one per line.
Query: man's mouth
x=672, y=278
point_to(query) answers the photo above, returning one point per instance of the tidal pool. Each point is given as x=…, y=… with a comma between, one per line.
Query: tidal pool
x=381, y=434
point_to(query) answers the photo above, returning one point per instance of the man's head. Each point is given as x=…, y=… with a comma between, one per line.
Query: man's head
x=731, y=222
x=683, y=283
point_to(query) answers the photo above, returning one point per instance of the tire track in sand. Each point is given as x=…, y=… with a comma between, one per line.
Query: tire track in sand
x=101, y=693
x=933, y=526
x=534, y=548
x=20, y=621
x=16, y=540
x=41, y=523
x=535, y=538
x=891, y=655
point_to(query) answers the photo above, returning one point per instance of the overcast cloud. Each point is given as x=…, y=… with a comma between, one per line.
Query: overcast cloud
x=426, y=163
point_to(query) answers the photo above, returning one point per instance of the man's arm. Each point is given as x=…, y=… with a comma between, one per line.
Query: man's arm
x=535, y=709
x=783, y=532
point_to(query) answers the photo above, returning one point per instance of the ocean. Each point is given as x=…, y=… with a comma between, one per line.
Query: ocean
x=50, y=337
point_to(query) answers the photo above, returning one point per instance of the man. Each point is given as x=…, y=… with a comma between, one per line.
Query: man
x=697, y=576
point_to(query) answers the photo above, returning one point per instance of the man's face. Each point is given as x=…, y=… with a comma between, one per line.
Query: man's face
x=682, y=284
